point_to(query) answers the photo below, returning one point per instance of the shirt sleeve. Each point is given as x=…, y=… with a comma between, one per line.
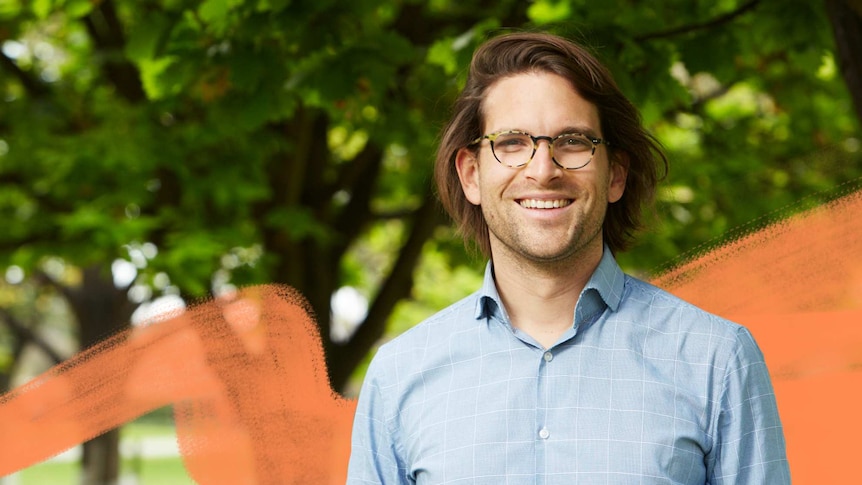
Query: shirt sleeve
x=373, y=454
x=748, y=445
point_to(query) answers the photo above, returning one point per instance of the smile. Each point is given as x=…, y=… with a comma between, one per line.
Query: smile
x=544, y=204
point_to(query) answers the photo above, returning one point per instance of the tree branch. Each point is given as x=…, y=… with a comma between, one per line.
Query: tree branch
x=709, y=24
x=855, y=5
x=343, y=359
x=349, y=175
x=355, y=215
x=26, y=335
x=33, y=87
x=697, y=104
x=421, y=28
x=6, y=376
x=42, y=279
x=106, y=30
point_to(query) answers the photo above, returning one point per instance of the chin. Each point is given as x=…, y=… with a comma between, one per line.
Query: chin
x=549, y=256
x=575, y=249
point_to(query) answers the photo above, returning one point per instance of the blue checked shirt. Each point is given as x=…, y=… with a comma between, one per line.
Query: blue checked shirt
x=644, y=388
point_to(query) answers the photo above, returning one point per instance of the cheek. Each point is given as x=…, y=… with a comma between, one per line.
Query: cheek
x=489, y=182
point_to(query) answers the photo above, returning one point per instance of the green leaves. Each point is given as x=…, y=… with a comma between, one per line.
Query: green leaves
x=549, y=11
x=274, y=124
x=453, y=53
x=218, y=14
x=299, y=223
x=147, y=36
x=41, y=8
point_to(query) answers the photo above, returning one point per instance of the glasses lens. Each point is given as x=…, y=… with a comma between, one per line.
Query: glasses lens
x=573, y=150
x=512, y=149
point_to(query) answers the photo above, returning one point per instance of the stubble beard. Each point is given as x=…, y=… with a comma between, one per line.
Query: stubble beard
x=527, y=249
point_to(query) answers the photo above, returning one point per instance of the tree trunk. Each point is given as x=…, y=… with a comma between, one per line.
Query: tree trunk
x=100, y=463
x=101, y=310
x=846, y=19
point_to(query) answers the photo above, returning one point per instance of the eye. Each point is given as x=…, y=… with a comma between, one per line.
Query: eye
x=573, y=142
x=512, y=142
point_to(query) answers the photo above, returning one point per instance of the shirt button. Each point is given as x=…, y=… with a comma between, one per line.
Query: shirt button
x=548, y=356
x=544, y=433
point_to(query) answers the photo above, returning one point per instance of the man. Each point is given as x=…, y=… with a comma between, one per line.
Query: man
x=560, y=369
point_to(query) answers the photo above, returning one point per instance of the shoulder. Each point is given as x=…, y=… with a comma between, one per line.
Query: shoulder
x=686, y=328
x=707, y=349
x=668, y=310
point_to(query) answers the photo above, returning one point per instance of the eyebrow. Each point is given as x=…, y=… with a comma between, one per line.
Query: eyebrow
x=583, y=129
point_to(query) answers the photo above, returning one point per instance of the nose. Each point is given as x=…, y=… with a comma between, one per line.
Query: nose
x=542, y=167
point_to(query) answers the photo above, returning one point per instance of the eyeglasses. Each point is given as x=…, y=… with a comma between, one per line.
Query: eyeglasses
x=570, y=151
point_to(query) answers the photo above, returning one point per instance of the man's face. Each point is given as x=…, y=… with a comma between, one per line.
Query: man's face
x=513, y=200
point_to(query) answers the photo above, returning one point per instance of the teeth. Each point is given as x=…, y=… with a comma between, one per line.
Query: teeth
x=544, y=204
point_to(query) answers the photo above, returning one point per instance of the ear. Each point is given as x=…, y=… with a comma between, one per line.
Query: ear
x=467, y=166
x=619, y=171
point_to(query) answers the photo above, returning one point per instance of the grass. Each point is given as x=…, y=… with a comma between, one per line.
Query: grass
x=150, y=471
x=156, y=471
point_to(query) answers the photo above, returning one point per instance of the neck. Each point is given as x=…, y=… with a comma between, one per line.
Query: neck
x=540, y=297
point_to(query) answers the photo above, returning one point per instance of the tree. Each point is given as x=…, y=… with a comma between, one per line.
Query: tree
x=255, y=139
x=230, y=142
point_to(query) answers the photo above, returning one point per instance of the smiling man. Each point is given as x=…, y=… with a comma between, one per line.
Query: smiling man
x=561, y=369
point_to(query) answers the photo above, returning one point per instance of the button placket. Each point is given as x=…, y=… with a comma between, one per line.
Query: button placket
x=544, y=433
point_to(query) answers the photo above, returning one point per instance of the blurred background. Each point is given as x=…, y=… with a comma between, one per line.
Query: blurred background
x=158, y=152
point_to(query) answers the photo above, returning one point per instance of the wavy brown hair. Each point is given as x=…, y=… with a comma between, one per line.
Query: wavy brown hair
x=517, y=53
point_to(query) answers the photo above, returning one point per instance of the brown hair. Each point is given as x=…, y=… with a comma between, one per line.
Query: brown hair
x=512, y=54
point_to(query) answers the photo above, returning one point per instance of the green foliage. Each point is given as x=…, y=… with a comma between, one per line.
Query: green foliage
x=213, y=127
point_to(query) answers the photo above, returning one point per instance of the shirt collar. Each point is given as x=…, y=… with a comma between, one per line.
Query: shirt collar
x=603, y=290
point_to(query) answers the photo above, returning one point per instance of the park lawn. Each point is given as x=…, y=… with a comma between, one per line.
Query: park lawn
x=155, y=471
x=134, y=470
